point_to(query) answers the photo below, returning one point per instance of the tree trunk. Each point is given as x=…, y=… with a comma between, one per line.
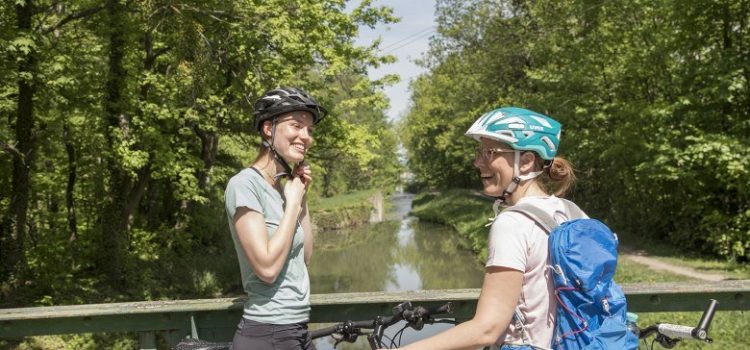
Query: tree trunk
x=209, y=150
x=112, y=227
x=15, y=223
x=210, y=139
x=70, y=204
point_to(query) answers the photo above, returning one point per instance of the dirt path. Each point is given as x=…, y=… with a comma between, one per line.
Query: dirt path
x=655, y=264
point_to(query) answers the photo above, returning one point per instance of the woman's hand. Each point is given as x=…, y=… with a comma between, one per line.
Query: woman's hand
x=303, y=171
x=296, y=187
x=294, y=191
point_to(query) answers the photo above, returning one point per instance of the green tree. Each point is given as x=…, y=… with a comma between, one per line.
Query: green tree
x=653, y=97
x=126, y=119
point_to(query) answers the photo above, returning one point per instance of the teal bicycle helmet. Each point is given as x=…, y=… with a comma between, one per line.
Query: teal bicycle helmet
x=521, y=129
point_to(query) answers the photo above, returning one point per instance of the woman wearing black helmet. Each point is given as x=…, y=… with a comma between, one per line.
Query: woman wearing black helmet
x=270, y=224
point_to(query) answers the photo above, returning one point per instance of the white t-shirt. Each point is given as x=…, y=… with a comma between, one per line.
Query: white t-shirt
x=517, y=242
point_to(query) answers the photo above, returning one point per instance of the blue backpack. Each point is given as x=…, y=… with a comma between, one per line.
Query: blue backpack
x=591, y=307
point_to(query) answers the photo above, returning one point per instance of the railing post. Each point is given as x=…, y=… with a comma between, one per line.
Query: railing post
x=193, y=327
x=147, y=340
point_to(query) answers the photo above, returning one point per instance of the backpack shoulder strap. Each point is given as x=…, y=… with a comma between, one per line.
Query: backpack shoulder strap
x=544, y=220
x=572, y=210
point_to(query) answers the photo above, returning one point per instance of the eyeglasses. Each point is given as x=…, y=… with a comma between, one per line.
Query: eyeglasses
x=487, y=154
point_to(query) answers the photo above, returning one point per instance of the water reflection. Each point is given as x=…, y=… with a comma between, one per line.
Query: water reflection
x=354, y=260
x=396, y=255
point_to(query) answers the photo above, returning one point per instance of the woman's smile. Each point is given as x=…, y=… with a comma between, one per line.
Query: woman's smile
x=299, y=147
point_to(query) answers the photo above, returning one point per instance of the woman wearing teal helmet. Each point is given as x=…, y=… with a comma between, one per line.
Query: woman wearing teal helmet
x=517, y=163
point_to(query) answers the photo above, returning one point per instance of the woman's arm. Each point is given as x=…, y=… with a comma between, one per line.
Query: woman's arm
x=307, y=229
x=497, y=301
x=267, y=256
x=304, y=172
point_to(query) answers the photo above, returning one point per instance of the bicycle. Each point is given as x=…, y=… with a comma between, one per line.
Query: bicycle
x=668, y=335
x=415, y=317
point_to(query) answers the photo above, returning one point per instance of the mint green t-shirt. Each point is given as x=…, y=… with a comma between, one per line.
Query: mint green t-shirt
x=288, y=299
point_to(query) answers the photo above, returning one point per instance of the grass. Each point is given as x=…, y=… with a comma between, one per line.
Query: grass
x=347, y=200
x=633, y=272
x=344, y=210
x=672, y=255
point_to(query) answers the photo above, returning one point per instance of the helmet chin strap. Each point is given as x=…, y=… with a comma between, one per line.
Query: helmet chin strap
x=287, y=171
x=502, y=200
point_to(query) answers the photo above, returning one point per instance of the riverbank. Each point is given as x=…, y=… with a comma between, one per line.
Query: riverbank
x=347, y=210
x=466, y=212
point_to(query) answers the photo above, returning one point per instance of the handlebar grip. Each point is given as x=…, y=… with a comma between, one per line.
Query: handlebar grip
x=369, y=324
x=343, y=327
x=322, y=332
x=422, y=313
x=675, y=331
x=446, y=308
x=701, y=332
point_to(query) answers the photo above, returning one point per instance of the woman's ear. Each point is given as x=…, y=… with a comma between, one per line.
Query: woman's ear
x=265, y=129
x=527, y=162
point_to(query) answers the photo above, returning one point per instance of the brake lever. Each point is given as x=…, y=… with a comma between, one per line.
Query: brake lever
x=349, y=338
x=345, y=339
x=441, y=320
x=666, y=342
x=414, y=318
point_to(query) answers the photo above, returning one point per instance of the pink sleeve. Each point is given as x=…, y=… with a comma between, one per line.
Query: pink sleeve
x=508, y=242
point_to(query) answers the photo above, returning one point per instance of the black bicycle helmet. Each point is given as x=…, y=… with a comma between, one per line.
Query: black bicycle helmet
x=283, y=100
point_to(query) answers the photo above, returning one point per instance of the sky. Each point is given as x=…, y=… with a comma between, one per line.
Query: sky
x=407, y=40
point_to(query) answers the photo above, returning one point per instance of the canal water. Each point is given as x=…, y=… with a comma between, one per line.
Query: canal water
x=399, y=254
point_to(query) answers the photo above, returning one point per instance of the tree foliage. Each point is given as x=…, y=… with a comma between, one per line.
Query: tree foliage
x=123, y=120
x=653, y=97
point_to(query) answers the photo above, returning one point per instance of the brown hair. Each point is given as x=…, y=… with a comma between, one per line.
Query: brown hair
x=558, y=178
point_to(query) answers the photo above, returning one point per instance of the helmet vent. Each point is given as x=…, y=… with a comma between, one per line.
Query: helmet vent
x=549, y=143
x=510, y=120
x=542, y=121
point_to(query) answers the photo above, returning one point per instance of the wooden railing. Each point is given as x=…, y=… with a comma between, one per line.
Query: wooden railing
x=215, y=319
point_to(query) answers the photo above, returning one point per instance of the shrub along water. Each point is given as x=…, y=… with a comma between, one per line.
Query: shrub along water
x=345, y=210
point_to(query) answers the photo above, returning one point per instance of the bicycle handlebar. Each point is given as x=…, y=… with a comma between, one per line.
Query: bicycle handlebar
x=415, y=317
x=669, y=334
x=343, y=327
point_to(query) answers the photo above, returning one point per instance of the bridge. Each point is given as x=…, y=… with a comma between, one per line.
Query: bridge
x=215, y=319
